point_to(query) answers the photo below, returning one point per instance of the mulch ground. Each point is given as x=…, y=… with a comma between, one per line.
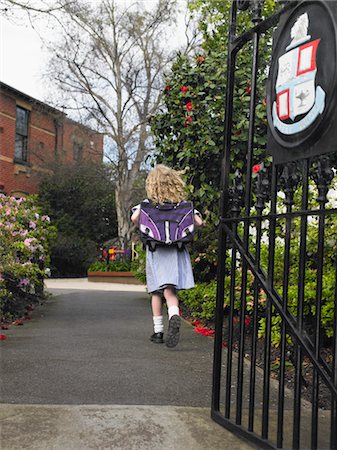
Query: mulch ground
x=324, y=397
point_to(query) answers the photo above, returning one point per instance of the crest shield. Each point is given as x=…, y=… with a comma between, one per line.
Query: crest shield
x=302, y=83
x=295, y=89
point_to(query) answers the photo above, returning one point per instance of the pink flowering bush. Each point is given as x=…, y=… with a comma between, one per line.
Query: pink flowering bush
x=25, y=235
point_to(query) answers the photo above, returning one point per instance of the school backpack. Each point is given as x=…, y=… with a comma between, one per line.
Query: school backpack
x=166, y=224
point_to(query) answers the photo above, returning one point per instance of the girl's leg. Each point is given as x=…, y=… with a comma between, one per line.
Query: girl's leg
x=157, y=305
x=171, y=301
x=157, y=314
x=174, y=319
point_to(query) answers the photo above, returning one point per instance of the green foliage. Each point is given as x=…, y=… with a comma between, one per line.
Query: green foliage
x=25, y=238
x=80, y=201
x=122, y=265
x=189, y=135
x=193, y=139
x=200, y=300
x=189, y=130
x=311, y=274
x=138, y=265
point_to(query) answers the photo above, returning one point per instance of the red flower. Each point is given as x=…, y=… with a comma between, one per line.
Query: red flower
x=224, y=344
x=247, y=320
x=189, y=106
x=3, y=337
x=201, y=59
x=188, y=120
x=167, y=88
x=4, y=327
x=204, y=331
x=18, y=322
x=257, y=168
x=29, y=308
x=184, y=89
x=197, y=322
x=28, y=318
x=248, y=88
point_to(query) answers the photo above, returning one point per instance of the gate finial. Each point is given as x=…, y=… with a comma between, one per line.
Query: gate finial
x=323, y=176
x=262, y=190
x=289, y=180
x=236, y=194
x=254, y=5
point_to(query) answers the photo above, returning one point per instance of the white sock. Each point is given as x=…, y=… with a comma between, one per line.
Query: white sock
x=173, y=311
x=158, y=324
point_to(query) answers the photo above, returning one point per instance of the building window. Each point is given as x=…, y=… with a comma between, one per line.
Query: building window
x=21, y=136
x=77, y=151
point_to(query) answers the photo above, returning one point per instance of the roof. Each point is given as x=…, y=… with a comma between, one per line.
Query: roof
x=5, y=87
x=33, y=101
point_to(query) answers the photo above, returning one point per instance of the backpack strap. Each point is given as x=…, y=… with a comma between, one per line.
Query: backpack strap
x=152, y=246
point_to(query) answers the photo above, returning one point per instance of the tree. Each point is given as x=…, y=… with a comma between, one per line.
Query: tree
x=110, y=63
x=80, y=202
x=189, y=129
x=12, y=8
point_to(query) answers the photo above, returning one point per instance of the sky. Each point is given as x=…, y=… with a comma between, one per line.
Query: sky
x=22, y=59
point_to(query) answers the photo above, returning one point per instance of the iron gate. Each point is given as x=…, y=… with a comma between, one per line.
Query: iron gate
x=275, y=353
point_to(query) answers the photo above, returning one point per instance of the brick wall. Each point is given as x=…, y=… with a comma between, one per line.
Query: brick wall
x=52, y=137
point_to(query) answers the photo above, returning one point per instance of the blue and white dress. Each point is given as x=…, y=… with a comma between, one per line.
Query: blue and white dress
x=168, y=266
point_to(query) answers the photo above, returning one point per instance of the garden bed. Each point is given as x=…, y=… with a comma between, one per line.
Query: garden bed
x=113, y=277
x=324, y=400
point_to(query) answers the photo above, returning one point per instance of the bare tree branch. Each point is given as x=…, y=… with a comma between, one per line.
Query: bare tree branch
x=108, y=66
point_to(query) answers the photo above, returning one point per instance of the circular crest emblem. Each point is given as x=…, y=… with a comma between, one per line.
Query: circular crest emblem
x=302, y=79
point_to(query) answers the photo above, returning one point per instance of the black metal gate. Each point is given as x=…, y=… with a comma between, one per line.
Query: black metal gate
x=275, y=354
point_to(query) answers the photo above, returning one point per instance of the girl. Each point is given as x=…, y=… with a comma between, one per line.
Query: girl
x=167, y=269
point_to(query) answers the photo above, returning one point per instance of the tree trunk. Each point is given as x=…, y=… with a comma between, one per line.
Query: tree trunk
x=123, y=215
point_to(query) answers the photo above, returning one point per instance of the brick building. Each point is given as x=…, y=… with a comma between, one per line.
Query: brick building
x=34, y=137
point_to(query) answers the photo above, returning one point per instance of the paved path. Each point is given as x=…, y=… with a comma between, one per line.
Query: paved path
x=84, y=375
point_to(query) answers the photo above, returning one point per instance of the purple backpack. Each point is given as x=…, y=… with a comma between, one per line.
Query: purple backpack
x=166, y=224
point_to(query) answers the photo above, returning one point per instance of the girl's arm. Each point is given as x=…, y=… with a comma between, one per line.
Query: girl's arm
x=198, y=219
x=135, y=214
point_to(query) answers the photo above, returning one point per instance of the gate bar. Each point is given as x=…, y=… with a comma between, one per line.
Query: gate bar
x=333, y=439
x=294, y=214
x=228, y=388
x=289, y=188
x=223, y=207
x=318, y=330
x=285, y=315
x=248, y=197
x=262, y=27
x=301, y=291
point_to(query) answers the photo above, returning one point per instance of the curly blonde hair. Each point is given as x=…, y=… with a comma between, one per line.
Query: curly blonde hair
x=164, y=184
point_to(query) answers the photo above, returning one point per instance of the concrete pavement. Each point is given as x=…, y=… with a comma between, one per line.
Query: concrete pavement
x=84, y=375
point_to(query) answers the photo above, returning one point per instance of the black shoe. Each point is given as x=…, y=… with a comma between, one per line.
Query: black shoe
x=173, y=331
x=157, y=338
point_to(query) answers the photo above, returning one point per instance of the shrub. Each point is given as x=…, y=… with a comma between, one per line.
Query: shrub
x=71, y=254
x=80, y=200
x=138, y=265
x=25, y=236
x=122, y=265
x=200, y=300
